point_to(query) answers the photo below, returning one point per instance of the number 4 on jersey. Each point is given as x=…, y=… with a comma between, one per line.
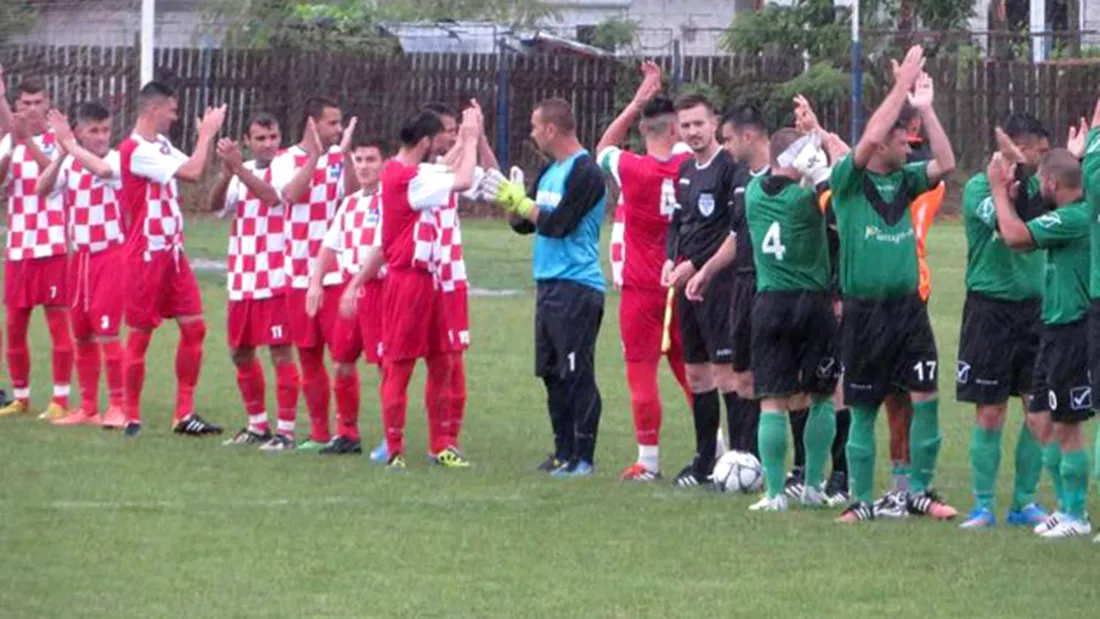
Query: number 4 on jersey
x=772, y=244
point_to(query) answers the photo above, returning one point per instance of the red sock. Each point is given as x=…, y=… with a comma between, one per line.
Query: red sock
x=250, y=381
x=437, y=401
x=315, y=383
x=19, y=357
x=679, y=370
x=57, y=320
x=87, y=369
x=288, y=384
x=395, y=402
x=346, y=389
x=457, y=394
x=112, y=357
x=134, y=361
x=645, y=401
x=188, y=363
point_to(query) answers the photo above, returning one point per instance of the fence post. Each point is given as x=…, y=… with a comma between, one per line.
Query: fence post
x=677, y=65
x=857, y=76
x=502, y=105
x=148, y=28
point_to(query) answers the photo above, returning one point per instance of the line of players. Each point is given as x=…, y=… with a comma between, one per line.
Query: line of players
x=743, y=236
x=305, y=220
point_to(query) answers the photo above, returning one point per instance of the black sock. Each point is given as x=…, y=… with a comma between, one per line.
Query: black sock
x=587, y=408
x=707, y=414
x=843, y=422
x=798, y=433
x=733, y=419
x=750, y=424
x=561, y=421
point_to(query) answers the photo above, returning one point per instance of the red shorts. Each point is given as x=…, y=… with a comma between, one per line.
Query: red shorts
x=412, y=323
x=456, y=318
x=258, y=322
x=98, y=292
x=319, y=330
x=641, y=324
x=370, y=321
x=163, y=286
x=36, y=281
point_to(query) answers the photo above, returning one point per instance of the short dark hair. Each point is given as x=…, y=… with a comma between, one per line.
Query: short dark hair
x=688, y=101
x=1023, y=125
x=558, y=112
x=263, y=119
x=781, y=140
x=440, y=109
x=745, y=116
x=317, y=104
x=422, y=125
x=904, y=117
x=378, y=143
x=154, y=91
x=1063, y=166
x=91, y=111
x=659, y=105
x=31, y=86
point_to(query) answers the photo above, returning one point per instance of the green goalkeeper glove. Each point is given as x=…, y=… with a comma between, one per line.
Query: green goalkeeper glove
x=508, y=195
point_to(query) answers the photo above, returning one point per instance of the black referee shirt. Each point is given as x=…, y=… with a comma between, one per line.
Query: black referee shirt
x=705, y=195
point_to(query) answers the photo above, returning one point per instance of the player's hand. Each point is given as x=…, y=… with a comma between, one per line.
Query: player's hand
x=3, y=84
x=230, y=155
x=348, y=302
x=20, y=127
x=697, y=285
x=311, y=141
x=59, y=124
x=805, y=120
x=906, y=73
x=666, y=273
x=1008, y=149
x=1000, y=172
x=812, y=164
x=682, y=274
x=506, y=195
x=923, y=93
x=650, y=86
x=314, y=298
x=349, y=134
x=1078, y=138
x=211, y=122
x=471, y=127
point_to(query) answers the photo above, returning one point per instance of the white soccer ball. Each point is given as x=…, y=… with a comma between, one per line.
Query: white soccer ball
x=738, y=471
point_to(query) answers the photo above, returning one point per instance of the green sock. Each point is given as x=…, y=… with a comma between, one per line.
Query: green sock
x=1096, y=456
x=924, y=443
x=772, y=442
x=1052, y=462
x=1075, y=481
x=818, y=439
x=985, y=459
x=1029, y=465
x=861, y=453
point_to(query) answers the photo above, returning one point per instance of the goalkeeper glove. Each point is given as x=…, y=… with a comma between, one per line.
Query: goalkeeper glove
x=508, y=195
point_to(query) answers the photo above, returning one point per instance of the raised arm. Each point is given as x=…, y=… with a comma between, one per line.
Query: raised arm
x=943, y=156
x=882, y=121
x=5, y=109
x=69, y=144
x=230, y=154
x=351, y=183
x=1013, y=230
x=47, y=180
x=296, y=190
x=209, y=126
x=619, y=128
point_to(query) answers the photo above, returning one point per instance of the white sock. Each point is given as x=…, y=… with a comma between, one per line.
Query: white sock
x=286, y=428
x=648, y=457
x=257, y=421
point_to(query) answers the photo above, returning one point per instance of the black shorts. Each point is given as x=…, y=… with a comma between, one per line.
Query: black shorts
x=741, y=312
x=997, y=347
x=886, y=345
x=1094, y=349
x=794, y=344
x=567, y=324
x=1061, y=382
x=705, y=326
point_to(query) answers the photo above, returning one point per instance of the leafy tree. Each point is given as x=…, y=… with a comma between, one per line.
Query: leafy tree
x=15, y=16
x=616, y=33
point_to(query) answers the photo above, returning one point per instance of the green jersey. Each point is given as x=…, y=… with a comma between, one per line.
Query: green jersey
x=992, y=268
x=878, y=245
x=789, y=246
x=1064, y=234
x=1091, y=170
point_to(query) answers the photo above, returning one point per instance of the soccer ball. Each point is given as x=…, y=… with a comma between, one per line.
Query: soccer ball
x=738, y=471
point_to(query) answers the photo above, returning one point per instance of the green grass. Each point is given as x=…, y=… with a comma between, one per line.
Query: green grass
x=93, y=525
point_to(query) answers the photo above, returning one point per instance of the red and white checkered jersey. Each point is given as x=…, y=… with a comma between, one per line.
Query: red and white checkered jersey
x=36, y=226
x=257, y=248
x=95, y=218
x=410, y=195
x=150, y=195
x=450, y=265
x=308, y=220
x=647, y=199
x=356, y=228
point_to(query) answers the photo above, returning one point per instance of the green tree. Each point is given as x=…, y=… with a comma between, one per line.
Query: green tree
x=15, y=16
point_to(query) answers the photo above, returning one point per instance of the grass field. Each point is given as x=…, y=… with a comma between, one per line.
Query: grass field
x=94, y=525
